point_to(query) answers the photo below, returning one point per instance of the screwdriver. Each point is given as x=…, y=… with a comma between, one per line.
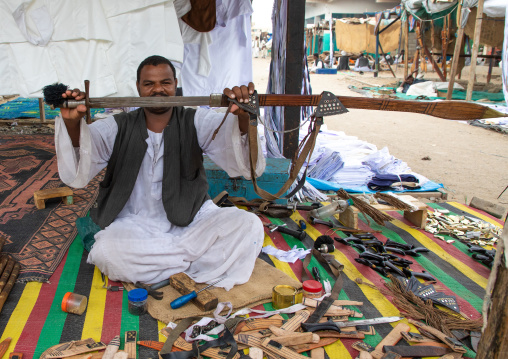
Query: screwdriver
x=178, y=302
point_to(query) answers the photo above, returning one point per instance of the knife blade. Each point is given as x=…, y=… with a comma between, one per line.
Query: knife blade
x=329, y=325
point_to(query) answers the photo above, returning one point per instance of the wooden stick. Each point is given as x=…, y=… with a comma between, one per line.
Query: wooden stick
x=3, y=263
x=406, y=49
x=41, y=112
x=456, y=53
x=6, y=273
x=4, y=346
x=474, y=54
x=10, y=283
x=296, y=339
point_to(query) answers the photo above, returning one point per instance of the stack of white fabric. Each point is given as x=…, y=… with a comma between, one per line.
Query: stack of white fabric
x=325, y=165
x=348, y=153
x=383, y=163
x=350, y=162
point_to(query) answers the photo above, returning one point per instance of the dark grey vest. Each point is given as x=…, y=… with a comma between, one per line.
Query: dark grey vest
x=184, y=185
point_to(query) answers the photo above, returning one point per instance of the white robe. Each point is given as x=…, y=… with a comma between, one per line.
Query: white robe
x=141, y=244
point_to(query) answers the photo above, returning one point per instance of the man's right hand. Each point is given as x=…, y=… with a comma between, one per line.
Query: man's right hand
x=73, y=114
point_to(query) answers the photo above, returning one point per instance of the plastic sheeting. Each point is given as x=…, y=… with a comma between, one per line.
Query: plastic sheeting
x=359, y=37
x=491, y=8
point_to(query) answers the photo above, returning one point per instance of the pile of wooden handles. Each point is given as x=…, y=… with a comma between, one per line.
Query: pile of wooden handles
x=9, y=270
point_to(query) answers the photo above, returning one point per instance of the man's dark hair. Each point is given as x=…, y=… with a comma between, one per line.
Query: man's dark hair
x=154, y=61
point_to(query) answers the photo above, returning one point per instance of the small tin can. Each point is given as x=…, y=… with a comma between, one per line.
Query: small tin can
x=284, y=296
x=312, y=289
x=74, y=303
x=137, y=301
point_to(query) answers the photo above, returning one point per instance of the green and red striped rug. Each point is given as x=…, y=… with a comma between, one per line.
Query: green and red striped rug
x=33, y=318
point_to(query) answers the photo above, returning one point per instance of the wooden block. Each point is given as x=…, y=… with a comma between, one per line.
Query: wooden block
x=349, y=217
x=64, y=192
x=391, y=339
x=130, y=344
x=318, y=353
x=205, y=300
x=255, y=353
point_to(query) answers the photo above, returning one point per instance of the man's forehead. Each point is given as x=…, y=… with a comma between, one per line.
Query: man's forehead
x=151, y=71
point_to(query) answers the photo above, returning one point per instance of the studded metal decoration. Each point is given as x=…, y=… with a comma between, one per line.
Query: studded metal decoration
x=329, y=105
x=429, y=292
x=252, y=106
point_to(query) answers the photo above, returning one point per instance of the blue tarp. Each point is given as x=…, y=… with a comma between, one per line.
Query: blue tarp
x=332, y=186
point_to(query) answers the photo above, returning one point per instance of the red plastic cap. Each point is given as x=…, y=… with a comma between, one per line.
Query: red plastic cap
x=64, y=301
x=312, y=286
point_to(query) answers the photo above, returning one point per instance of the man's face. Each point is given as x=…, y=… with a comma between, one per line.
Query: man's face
x=156, y=81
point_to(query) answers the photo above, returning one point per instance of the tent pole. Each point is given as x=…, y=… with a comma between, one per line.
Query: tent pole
x=295, y=23
x=491, y=63
x=41, y=111
x=406, y=48
x=376, y=71
x=494, y=339
x=474, y=54
x=456, y=54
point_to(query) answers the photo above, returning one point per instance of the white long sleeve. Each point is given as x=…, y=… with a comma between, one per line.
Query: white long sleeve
x=77, y=166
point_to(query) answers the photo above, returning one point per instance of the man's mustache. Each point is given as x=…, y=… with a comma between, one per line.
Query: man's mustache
x=159, y=94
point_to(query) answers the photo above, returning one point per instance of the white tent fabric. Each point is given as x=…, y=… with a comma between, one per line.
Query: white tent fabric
x=68, y=41
x=99, y=40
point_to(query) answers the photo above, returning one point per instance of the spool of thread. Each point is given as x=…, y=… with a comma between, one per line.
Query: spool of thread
x=284, y=296
x=74, y=303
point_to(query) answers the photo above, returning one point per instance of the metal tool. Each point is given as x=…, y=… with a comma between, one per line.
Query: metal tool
x=315, y=273
x=329, y=325
x=314, y=220
x=152, y=289
x=297, y=234
x=111, y=288
x=184, y=299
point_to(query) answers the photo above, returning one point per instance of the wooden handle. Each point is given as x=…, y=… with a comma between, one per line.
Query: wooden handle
x=296, y=339
x=87, y=102
x=205, y=300
x=391, y=339
x=294, y=323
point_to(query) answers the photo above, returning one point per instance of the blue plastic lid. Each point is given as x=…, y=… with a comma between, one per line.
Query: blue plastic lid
x=137, y=295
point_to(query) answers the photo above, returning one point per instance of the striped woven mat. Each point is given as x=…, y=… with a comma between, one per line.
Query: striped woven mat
x=33, y=318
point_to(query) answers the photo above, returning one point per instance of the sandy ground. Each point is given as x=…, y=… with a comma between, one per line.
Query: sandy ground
x=469, y=161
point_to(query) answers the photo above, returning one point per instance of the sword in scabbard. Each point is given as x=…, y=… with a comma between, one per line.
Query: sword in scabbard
x=451, y=110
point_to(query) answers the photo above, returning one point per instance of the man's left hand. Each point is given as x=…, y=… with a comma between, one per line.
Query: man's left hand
x=241, y=94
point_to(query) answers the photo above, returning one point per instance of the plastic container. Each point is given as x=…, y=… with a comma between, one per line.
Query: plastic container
x=312, y=289
x=137, y=301
x=331, y=209
x=74, y=303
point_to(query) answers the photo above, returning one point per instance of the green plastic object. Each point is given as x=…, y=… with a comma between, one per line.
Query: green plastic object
x=87, y=230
